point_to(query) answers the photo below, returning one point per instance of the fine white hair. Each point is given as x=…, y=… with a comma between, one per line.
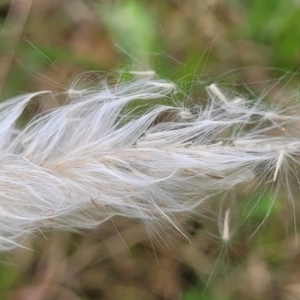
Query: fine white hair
x=95, y=157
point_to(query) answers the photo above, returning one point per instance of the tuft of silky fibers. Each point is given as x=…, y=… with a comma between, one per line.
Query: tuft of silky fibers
x=82, y=163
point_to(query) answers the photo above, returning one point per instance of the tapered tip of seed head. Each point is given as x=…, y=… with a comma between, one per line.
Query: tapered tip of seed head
x=185, y=114
x=213, y=89
x=75, y=93
x=145, y=74
x=166, y=85
x=280, y=159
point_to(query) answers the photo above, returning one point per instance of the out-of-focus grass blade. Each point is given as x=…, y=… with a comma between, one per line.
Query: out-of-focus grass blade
x=130, y=24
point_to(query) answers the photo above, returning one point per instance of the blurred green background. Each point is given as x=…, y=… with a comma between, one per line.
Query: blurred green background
x=236, y=43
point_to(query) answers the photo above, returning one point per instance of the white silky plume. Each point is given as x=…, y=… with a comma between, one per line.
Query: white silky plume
x=90, y=159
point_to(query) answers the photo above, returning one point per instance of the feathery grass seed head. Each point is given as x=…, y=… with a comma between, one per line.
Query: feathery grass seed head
x=88, y=160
